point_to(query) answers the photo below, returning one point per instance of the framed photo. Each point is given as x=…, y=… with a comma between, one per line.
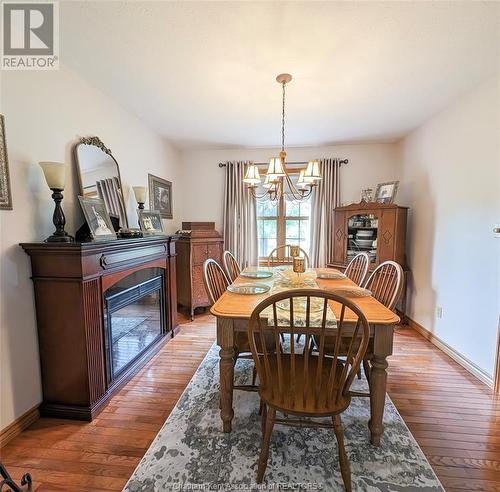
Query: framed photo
x=5, y=194
x=386, y=192
x=150, y=223
x=160, y=196
x=97, y=218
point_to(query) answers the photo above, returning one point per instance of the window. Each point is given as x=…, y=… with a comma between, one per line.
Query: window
x=267, y=226
x=284, y=222
x=297, y=222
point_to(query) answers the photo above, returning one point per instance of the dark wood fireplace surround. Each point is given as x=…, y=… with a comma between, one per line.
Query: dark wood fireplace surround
x=69, y=281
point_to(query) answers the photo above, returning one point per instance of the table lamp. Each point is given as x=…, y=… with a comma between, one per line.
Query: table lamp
x=140, y=195
x=55, y=175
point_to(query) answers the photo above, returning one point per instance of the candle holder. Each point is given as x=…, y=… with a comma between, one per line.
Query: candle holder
x=294, y=251
x=299, y=266
x=55, y=175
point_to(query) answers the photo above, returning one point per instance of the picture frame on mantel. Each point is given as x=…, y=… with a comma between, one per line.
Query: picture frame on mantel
x=5, y=192
x=160, y=196
x=98, y=219
x=150, y=223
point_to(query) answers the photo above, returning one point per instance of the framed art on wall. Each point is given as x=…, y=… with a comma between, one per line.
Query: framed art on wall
x=150, y=222
x=5, y=193
x=160, y=196
x=97, y=217
x=386, y=192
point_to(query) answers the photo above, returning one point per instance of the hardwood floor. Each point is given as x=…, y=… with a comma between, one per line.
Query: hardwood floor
x=452, y=415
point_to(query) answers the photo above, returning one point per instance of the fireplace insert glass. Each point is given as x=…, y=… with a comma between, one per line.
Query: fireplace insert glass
x=134, y=318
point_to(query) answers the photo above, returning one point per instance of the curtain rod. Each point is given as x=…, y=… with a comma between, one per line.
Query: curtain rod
x=223, y=164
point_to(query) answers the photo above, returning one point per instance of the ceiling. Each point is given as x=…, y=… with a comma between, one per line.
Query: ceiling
x=202, y=74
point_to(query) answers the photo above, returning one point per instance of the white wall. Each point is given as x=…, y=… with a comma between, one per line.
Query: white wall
x=451, y=182
x=45, y=112
x=369, y=164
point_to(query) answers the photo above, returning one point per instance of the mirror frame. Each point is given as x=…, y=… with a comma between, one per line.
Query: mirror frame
x=97, y=142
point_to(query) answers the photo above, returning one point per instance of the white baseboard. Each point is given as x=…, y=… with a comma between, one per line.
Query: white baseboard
x=451, y=352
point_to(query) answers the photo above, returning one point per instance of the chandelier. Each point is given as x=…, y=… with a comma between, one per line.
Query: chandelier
x=277, y=180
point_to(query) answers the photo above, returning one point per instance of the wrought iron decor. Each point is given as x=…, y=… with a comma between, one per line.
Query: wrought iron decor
x=5, y=193
x=8, y=482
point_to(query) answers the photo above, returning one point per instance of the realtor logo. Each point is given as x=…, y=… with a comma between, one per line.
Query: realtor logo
x=30, y=38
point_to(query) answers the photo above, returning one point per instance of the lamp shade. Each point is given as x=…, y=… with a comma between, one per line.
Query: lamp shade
x=303, y=182
x=275, y=169
x=252, y=176
x=55, y=174
x=312, y=171
x=140, y=193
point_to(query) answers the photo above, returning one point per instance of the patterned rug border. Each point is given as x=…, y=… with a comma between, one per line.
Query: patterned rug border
x=409, y=432
x=198, y=370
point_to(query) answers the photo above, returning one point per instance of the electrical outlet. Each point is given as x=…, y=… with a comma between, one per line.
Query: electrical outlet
x=439, y=312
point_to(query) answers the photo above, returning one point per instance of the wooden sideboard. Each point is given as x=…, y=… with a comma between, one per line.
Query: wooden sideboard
x=77, y=289
x=197, y=243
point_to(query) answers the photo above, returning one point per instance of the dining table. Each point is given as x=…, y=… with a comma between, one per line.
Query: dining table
x=233, y=310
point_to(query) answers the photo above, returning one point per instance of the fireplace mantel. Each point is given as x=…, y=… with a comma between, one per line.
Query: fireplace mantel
x=70, y=280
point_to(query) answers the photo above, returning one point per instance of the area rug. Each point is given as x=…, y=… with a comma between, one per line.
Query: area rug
x=192, y=453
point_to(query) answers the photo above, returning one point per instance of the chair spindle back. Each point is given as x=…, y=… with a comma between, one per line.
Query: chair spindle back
x=281, y=256
x=215, y=280
x=232, y=267
x=358, y=268
x=296, y=377
x=386, y=283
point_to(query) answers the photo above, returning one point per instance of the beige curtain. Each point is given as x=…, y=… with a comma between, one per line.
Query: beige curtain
x=326, y=196
x=109, y=191
x=240, y=222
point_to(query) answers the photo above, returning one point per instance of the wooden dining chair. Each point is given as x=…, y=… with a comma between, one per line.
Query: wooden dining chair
x=298, y=383
x=358, y=268
x=386, y=285
x=231, y=266
x=216, y=283
x=281, y=256
x=215, y=280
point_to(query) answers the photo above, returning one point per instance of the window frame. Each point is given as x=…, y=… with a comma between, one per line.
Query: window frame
x=280, y=219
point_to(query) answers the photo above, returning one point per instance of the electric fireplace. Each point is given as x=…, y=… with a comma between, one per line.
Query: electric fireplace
x=134, y=318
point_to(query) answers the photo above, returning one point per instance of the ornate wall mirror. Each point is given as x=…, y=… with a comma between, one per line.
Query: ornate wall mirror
x=99, y=176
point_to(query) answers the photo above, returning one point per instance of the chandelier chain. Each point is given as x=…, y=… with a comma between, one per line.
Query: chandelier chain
x=278, y=178
x=283, y=120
